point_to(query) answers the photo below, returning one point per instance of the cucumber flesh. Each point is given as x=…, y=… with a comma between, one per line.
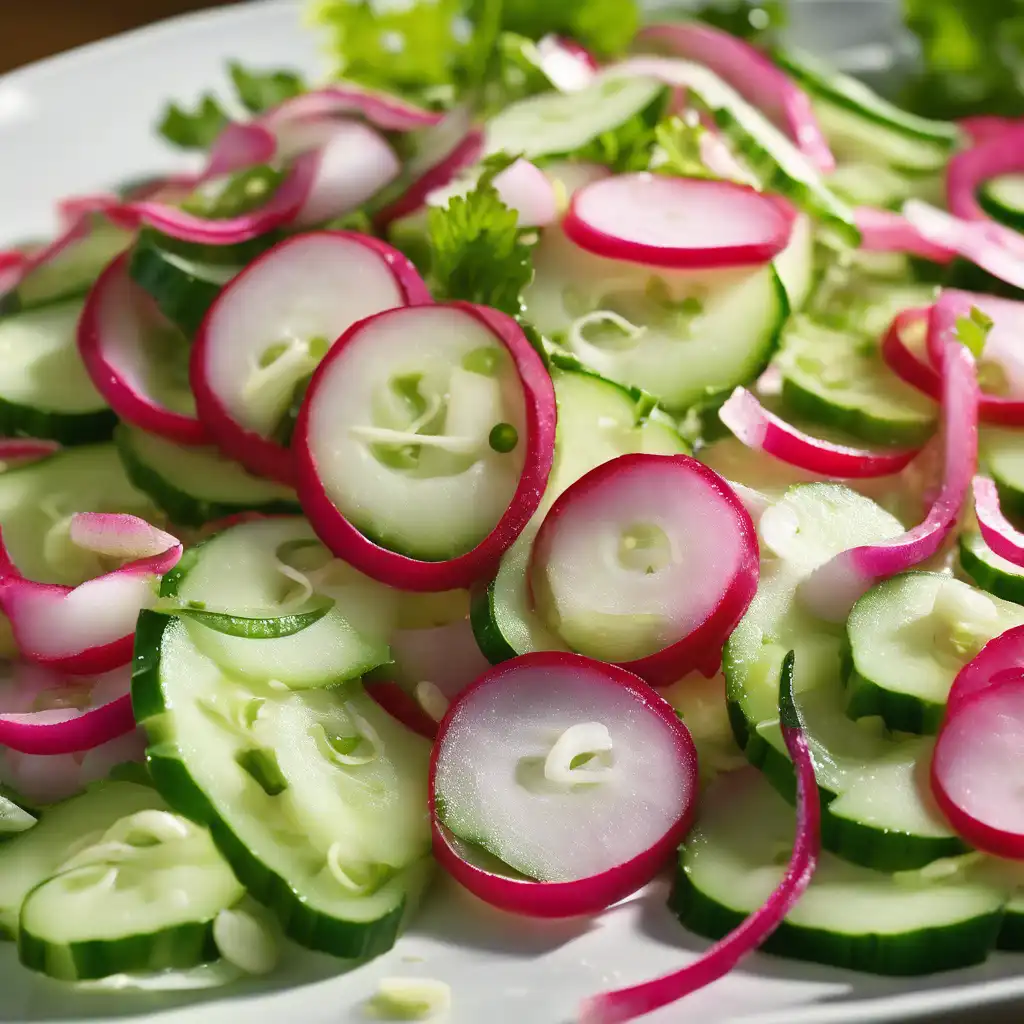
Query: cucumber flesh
x=340, y=847
x=850, y=916
x=31, y=858
x=1001, y=452
x=194, y=486
x=989, y=571
x=45, y=390
x=795, y=264
x=908, y=637
x=13, y=819
x=142, y=898
x=1002, y=199
x=876, y=810
x=240, y=573
x=684, y=336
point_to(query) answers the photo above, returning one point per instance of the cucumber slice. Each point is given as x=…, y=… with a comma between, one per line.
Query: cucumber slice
x=71, y=273
x=1002, y=453
x=839, y=379
x=867, y=184
x=795, y=264
x=197, y=485
x=907, y=639
x=240, y=572
x=341, y=852
x=182, y=288
x=557, y=124
x=1002, y=199
x=13, y=819
x=1011, y=935
x=37, y=501
x=684, y=336
x=877, y=810
x=142, y=898
x=859, y=122
x=849, y=916
x=989, y=571
x=45, y=390
x=31, y=858
x=597, y=422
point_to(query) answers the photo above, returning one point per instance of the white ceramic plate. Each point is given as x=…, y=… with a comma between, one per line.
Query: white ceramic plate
x=84, y=121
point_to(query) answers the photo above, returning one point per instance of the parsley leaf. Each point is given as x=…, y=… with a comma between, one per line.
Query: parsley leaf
x=262, y=90
x=477, y=253
x=197, y=129
x=973, y=331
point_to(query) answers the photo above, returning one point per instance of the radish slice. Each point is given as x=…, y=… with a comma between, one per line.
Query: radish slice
x=44, y=712
x=567, y=65
x=274, y=322
x=404, y=707
x=502, y=777
x=693, y=223
x=998, y=531
x=967, y=171
x=724, y=955
x=88, y=629
x=993, y=247
x=240, y=146
x=429, y=430
x=833, y=588
x=972, y=772
x=136, y=359
x=762, y=431
x=449, y=147
x=1001, y=660
x=752, y=75
x=522, y=187
x=982, y=127
x=888, y=231
x=613, y=564
x=444, y=656
x=388, y=113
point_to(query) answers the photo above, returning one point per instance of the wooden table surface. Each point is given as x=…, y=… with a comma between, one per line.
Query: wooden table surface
x=31, y=29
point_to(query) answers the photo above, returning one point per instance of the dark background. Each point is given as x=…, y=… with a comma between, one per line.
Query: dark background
x=31, y=29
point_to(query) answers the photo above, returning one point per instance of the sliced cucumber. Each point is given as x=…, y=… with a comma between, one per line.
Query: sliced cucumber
x=907, y=639
x=1011, y=935
x=839, y=379
x=1001, y=452
x=340, y=851
x=990, y=571
x=13, y=819
x=37, y=501
x=877, y=810
x=197, y=485
x=597, y=421
x=44, y=388
x=795, y=264
x=241, y=572
x=142, y=898
x=182, y=288
x=850, y=916
x=71, y=273
x=866, y=184
x=1002, y=199
x=686, y=337
x=557, y=124
x=62, y=831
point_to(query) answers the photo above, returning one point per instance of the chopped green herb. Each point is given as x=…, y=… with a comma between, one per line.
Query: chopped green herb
x=261, y=90
x=503, y=438
x=973, y=331
x=196, y=129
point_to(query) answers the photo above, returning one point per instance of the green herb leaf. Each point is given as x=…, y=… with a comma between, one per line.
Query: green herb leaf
x=262, y=90
x=197, y=129
x=973, y=331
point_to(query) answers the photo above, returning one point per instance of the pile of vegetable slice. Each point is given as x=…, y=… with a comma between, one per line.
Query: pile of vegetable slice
x=485, y=482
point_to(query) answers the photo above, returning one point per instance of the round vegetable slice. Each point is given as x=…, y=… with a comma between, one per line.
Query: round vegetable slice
x=574, y=774
x=271, y=326
x=1002, y=198
x=693, y=223
x=424, y=444
x=1000, y=660
x=614, y=562
x=969, y=170
x=137, y=359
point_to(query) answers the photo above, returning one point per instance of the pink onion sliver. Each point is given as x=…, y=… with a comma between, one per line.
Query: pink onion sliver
x=763, y=431
x=628, y=1003
x=999, y=533
x=889, y=231
x=692, y=223
x=240, y=145
x=111, y=341
x=917, y=372
x=118, y=535
x=389, y=113
x=26, y=449
x=403, y=707
x=983, y=127
x=834, y=587
x=1000, y=660
x=568, y=66
x=1001, y=153
x=752, y=75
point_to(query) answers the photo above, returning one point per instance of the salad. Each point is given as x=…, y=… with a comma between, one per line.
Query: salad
x=545, y=461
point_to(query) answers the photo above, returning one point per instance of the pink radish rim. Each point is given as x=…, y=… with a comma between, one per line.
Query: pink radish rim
x=999, y=661
x=403, y=707
x=1000, y=153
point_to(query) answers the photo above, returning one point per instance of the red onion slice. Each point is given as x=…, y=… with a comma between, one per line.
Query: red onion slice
x=629, y=1003
x=501, y=773
x=613, y=563
x=568, y=66
x=691, y=223
x=383, y=111
x=834, y=587
x=45, y=713
x=331, y=439
x=752, y=75
x=763, y=431
x=968, y=170
x=888, y=231
x=999, y=533
x=89, y=629
x=117, y=334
